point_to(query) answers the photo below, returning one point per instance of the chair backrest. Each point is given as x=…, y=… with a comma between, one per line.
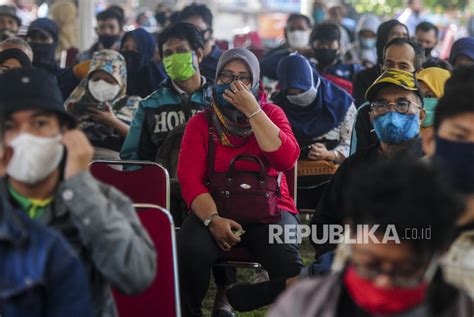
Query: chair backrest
x=149, y=184
x=161, y=299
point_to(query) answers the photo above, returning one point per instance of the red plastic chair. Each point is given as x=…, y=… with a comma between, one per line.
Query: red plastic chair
x=150, y=184
x=222, y=44
x=161, y=299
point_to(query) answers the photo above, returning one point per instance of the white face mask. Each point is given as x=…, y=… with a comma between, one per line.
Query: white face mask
x=306, y=98
x=458, y=263
x=298, y=39
x=303, y=99
x=34, y=158
x=102, y=91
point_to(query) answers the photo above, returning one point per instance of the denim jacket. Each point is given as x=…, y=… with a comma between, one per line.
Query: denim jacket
x=40, y=275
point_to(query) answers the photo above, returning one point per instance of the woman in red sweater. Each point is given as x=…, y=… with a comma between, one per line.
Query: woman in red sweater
x=242, y=124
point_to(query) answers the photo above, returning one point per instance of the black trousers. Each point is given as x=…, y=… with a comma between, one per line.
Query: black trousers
x=198, y=251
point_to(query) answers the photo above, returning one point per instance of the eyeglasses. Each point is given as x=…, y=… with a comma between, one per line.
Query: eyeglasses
x=405, y=279
x=203, y=32
x=227, y=78
x=401, y=106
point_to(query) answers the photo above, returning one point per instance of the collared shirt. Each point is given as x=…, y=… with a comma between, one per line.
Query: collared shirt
x=34, y=208
x=182, y=92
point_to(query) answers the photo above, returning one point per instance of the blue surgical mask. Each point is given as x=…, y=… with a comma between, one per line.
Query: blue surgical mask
x=219, y=96
x=367, y=43
x=429, y=104
x=456, y=159
x=319, y=15
x=396, y=128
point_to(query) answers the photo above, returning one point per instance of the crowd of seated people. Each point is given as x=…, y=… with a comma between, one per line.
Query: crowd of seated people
x=376, y=129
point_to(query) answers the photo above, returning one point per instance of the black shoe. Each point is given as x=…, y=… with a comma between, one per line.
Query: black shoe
x=247, y=297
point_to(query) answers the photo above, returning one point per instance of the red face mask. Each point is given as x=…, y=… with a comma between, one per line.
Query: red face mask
x=375, y=300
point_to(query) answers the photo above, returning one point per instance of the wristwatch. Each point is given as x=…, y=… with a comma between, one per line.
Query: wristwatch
x=208, y=221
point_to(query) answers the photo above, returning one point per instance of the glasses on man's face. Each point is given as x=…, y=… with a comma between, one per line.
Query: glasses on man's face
x=228, y=77
x=203, y=34
x=399, y=278
x=401, y=106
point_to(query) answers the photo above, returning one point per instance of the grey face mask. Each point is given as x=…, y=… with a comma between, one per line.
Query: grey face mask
x=306, y=98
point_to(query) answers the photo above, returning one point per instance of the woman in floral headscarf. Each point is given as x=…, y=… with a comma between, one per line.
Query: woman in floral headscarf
x=100, y=103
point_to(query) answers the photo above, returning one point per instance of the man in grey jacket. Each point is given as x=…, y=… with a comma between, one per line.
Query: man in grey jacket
x=46, y=165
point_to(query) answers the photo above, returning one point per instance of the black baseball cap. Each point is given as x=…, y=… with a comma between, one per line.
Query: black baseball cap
x=26, y=89
x=46, y=27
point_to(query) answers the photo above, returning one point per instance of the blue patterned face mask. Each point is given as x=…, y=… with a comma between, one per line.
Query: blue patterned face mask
x=429, y=104
x=219, y=90
x=396, y=128
x=319, y=15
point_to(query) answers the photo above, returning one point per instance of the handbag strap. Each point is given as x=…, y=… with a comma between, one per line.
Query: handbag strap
x=248, y=157
x=211, y=151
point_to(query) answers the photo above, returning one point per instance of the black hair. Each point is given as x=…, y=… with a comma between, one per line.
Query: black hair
x=458, y=95
x=174, y=17
x=111, y=13
x=382, y=36
x=426, y=27
x=296, y=16
x=419, y=50
x=200, y=10
x=183, y=31
x=407, y=194
x=326, y=32
x=117, y=8
x=440, y=63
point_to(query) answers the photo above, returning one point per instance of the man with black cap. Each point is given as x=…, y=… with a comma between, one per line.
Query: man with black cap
x=43, y=38
x=396, y=114
x=46, y=162
x=9, y=22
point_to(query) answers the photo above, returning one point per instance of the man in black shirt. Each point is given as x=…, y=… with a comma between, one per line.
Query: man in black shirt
x=396, y=112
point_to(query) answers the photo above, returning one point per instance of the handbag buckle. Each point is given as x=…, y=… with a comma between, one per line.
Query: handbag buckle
x=245, y=186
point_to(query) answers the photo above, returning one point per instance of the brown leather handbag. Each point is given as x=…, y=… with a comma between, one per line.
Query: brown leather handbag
x=247, y=197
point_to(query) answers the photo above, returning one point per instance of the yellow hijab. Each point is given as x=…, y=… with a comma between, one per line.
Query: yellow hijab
x=434, y=78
